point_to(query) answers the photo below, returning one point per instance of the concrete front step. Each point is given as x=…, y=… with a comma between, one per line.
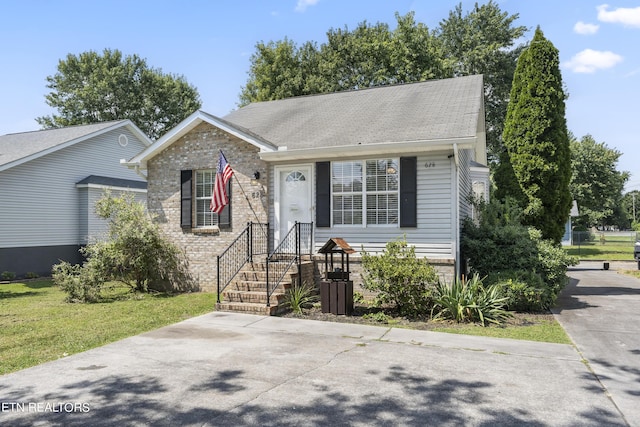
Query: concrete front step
x=248, y=308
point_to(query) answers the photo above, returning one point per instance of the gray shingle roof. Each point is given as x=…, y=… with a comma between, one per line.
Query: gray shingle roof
x=17, y=146
x=431, y=110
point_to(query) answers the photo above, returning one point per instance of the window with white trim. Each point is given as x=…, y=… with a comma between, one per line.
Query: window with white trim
x=204, y=186
x=374, y=203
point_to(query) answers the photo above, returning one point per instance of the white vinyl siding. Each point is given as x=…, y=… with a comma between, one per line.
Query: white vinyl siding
x=434, y=237
x=39, y=201
x=92, y=227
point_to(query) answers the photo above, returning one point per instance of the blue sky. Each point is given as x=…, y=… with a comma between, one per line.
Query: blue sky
x=210, y=44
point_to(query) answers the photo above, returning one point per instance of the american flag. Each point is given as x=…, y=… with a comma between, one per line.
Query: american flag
x=219, y=196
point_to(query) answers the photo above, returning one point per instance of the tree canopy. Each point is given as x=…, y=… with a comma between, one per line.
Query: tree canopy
x=91, y=88
x=478, y=42
x=536, y=138
x=596, y=184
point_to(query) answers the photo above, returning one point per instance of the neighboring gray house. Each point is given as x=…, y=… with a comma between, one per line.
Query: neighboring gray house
x=369, y=166
x=49, y=181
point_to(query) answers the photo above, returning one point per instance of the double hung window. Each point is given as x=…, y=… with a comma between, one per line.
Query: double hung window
x=365, y=192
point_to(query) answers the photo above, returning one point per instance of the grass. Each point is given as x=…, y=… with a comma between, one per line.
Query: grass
x=543, y=331
x=38, y=326
x=615, y=248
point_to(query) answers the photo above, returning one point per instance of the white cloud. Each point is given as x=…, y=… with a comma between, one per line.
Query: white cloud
x=629, y=17
x=589, y=61
x=585, y=29
x=304, y=4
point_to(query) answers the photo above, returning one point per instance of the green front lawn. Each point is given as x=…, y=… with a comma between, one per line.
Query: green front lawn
x=38, y=326
x=612, y=248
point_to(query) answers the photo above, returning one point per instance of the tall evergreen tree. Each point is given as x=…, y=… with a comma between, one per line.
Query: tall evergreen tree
x=537, y=140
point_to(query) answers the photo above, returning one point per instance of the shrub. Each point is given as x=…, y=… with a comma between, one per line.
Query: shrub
x=299, y=297
x=400, y=278
x=8, y=275
x=525, y=291
x=134, y=253
x=499, y=243
x=81, y=284
x=378, y=317
x=469, y=301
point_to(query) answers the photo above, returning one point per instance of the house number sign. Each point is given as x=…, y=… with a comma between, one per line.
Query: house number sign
x=430, y=165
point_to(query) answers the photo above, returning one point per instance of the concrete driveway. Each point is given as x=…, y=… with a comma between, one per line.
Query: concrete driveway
x=225, y=369
x=600, y=310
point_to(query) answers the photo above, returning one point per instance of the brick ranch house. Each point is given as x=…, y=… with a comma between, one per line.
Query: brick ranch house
x=368, y=166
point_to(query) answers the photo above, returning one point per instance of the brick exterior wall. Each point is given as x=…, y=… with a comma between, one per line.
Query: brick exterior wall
x=198, y=150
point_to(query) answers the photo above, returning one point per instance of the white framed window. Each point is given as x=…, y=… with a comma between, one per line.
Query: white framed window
x=204, y=186
x=365, y=192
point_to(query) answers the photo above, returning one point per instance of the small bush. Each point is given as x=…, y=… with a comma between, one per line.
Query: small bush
x=8, y=275
x=378, y=317
x=300, y=297
x=400, y=278
x=79, y=283
x=525, y=291
x=469, y=301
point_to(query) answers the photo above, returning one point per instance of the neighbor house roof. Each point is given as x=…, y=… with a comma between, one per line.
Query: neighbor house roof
x=17, y=148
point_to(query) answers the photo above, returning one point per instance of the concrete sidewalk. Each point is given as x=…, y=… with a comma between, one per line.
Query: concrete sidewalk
x=600, y=310
x=225, y=369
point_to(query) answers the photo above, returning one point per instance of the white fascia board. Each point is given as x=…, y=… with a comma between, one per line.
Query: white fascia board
x=385, y=149
x=185, y=127
x=112, y=187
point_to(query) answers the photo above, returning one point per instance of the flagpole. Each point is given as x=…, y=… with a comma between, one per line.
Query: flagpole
x=247, y=198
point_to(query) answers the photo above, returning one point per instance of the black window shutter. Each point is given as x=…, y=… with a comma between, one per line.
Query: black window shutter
x=323, y=194
x=408, y=192
x=185, y=198
x=224, y=219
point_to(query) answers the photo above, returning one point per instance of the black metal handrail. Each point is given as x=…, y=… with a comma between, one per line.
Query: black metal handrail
x=253, y=240
x=289, y=252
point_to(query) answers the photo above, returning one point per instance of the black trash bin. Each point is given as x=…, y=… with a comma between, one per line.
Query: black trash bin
x=336, y=290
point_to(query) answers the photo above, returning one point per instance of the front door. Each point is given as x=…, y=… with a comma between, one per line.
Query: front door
x=293, y=198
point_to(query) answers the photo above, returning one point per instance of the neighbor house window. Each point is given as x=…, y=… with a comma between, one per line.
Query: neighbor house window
x=204, y=185
x=365, y=192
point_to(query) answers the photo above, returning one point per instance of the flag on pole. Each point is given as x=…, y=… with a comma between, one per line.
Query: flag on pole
x=219, y=196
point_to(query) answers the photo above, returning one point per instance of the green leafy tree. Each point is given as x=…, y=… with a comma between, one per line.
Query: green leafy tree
x=630, y=211
x=479, y=42
x=596, y=184
x=357, y=59
x=415, y=52
x=537, y=140
x=134, y=253
x=482, y=41
x=281, y=70
x=92, y=88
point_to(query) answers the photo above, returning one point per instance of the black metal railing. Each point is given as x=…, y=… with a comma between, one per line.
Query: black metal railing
x=289, y=252
x=254, y=240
